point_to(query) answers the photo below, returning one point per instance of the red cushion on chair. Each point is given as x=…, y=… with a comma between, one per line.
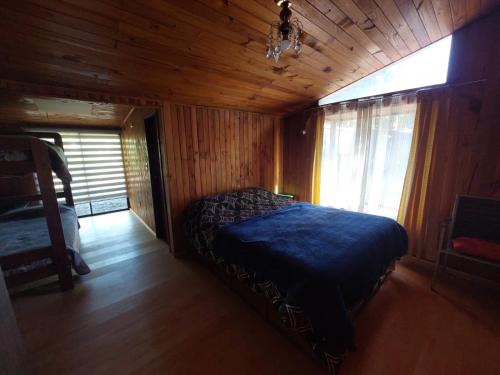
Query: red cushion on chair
x=477, y=247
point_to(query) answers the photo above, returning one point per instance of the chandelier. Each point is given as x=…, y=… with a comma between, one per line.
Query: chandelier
x=284, y=34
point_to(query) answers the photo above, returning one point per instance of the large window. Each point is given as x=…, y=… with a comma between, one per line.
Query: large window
x=96, y=165
x=366, y=147
x=428, y=66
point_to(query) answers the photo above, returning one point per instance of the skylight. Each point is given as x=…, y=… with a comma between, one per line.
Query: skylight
x=428, y=66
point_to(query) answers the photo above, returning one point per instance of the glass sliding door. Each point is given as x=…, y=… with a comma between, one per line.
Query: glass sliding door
x=96, y=165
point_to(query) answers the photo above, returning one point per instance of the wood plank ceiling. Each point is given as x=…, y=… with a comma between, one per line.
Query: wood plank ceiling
x=211, y=52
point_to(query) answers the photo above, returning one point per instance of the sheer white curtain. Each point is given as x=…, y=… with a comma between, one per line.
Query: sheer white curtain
x=366, y=146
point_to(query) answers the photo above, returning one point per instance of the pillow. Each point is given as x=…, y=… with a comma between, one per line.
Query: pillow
x=477, y=247
x=58, y=162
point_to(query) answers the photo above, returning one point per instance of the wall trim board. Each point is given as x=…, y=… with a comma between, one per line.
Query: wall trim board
x=166, y=185
x=142, y=221
x=125, y=119
x=136, y=166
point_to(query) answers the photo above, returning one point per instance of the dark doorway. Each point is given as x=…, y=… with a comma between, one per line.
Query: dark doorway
x=151, y=126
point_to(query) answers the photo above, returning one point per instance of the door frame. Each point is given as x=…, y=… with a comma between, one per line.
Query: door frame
x=156, y=163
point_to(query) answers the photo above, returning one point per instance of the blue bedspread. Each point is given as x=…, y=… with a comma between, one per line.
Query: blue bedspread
x=326, y=259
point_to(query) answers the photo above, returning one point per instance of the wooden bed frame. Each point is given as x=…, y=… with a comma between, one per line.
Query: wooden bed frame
x=38, y=162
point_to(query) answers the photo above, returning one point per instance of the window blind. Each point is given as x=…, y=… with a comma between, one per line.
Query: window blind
x=96, y=165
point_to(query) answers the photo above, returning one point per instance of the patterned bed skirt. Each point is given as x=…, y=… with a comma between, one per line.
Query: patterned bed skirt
x=291, y=320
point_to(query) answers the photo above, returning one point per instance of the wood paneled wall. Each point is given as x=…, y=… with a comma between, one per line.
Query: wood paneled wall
x=298, y=154
x=210, y=150
x=475, y=55
x=136, y=165
x=474, y=52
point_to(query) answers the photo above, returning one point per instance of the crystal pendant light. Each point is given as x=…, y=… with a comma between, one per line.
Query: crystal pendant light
x=284, y=34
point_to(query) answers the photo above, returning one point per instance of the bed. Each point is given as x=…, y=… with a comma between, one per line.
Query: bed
x=25, y=229
x=314, y=265
x=38, y=236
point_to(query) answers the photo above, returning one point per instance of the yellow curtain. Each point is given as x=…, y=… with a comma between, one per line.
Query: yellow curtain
x=416, y=186
x=318, y=152
x=444, y=159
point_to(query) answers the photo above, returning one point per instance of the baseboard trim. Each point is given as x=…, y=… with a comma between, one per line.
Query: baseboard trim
x=142, y=221
x=430, y=265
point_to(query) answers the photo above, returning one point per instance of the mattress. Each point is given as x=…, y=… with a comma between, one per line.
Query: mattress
x=25, y=229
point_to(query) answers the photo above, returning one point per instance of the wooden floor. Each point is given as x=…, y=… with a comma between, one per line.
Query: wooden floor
x=113, y=238
x=153, y=314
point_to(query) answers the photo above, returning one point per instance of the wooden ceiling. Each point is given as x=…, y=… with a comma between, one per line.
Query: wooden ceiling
x=60, y=112
x=211, y=52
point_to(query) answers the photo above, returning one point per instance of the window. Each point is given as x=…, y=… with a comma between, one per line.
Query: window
x=96, y=165
x=366, y=146
x=428, y=66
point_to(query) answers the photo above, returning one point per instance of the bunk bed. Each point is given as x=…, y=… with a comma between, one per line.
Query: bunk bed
x=37, y=240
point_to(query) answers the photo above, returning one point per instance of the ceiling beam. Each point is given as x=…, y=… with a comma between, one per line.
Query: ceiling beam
x=38, y=90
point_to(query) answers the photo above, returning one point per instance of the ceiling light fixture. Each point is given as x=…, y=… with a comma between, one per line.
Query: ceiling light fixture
x=285, y=33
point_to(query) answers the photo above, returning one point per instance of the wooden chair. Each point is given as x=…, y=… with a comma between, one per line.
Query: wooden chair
x=476, y=217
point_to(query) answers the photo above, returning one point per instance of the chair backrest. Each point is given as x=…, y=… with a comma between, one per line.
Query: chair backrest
x=476, y=217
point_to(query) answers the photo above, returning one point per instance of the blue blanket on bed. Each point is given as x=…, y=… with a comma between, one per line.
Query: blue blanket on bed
x=325, y=259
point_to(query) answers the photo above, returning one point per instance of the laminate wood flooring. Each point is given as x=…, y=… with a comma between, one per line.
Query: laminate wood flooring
x=153, y=314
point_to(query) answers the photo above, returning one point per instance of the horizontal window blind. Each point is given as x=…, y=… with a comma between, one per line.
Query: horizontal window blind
x=96, y=165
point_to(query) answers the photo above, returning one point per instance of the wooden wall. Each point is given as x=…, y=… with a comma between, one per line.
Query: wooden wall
x=298, y=152
x=475, y=55
x=136, y=165
x=210, y=150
